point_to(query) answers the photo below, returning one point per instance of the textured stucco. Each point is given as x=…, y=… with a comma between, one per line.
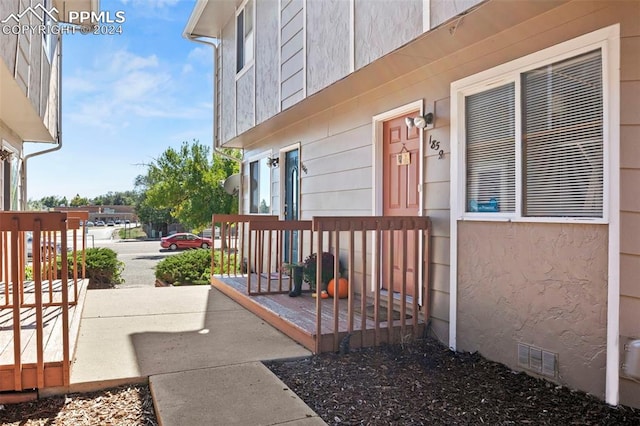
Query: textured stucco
x=327, y=43
x=382, y=26
x=228, y=98
x=265, y=61
x=8, y=43
x=540, y=284
x=441, y=10
x=245, y=102
x=50, y=93
x=35, y=59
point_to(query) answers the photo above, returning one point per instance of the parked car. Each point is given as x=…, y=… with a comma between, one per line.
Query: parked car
x=89, y=223
x=57, y=248
x=185, y=240
x=100, y=223
x=111, y=223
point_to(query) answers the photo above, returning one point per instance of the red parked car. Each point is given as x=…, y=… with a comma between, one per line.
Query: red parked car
x=185, y=240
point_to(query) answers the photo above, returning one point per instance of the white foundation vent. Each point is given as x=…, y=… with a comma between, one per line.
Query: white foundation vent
x=537, y=360
x=631, y=364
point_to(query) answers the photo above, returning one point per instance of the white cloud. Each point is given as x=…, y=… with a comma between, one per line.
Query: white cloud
x=124, y=61
x=78, y=85
x=201, y=54
x=132, y=86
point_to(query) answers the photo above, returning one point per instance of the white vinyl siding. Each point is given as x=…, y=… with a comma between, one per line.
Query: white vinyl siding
x=534, y=146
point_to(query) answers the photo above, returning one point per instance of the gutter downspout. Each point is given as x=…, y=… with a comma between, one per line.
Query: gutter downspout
x=58, y=135
x=216, y=147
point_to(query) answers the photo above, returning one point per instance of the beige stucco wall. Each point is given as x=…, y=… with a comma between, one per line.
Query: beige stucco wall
x=544, y=285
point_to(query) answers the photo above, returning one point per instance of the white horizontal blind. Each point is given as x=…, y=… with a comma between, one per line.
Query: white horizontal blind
x=563, y=138
x=490, y=150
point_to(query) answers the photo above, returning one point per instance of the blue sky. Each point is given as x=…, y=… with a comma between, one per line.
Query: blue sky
x=126, y=99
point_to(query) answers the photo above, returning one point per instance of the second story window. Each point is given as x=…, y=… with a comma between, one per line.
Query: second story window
x=244, y=35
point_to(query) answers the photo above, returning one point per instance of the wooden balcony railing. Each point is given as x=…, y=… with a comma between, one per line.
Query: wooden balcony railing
x=36, y=274
x=384, y=260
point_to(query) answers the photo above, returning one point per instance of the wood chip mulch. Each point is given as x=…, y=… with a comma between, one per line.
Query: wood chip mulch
x=424, y=383
x=128, y=405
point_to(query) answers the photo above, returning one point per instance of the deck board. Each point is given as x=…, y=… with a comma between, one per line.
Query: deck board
x=52, y=334
x=296, y=316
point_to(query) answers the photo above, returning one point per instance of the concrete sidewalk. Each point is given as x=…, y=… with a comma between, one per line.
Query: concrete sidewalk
x=200, y=351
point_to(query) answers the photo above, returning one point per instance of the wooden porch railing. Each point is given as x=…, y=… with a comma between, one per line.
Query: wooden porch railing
x=384, y=259
x=49, y=286
x=234, y=233
x=387, y=242
x=270, y=247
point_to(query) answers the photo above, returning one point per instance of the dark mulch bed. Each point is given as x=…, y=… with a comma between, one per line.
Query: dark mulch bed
x=424, y=383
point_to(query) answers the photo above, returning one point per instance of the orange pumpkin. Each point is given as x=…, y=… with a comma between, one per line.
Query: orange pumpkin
x=343, y=288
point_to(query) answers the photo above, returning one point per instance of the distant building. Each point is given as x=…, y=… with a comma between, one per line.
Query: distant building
x=106, y=213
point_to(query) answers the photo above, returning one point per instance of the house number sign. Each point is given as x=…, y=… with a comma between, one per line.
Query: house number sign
x=435, y=145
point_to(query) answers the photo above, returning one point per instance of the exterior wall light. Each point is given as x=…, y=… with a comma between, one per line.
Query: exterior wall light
x=421, y=121
x=273, y=162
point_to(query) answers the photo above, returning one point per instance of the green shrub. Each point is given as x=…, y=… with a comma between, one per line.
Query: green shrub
x=102, y=266
x=189, y=267
x=28, y=273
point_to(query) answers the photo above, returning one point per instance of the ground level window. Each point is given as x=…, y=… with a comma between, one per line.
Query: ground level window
x=534, y=146
x=259, y=187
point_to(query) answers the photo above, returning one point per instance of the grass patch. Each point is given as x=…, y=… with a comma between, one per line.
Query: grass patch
x=136, y=233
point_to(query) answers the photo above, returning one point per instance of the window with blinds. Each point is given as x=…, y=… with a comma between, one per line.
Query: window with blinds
x=490, y=150
x=559, y=148
x=562, y=138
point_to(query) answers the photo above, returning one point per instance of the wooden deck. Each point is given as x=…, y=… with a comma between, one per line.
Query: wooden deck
x=53, y=366
x=296, y=316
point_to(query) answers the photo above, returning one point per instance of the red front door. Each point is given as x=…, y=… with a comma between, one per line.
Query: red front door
x=400, y=196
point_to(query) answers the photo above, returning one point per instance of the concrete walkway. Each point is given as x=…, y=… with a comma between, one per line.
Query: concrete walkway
x=200, y=351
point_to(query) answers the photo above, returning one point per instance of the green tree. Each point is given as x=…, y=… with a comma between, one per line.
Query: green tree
x=78, y=201
x=126, y=198
x=188, y=182
x=53, y=201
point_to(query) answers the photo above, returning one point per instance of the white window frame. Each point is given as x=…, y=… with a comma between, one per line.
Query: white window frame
x=608, y=39
x=253, y=159
x=246, y=64
x=511, y=73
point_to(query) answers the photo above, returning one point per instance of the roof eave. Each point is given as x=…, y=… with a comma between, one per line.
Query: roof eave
x=208, y=18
